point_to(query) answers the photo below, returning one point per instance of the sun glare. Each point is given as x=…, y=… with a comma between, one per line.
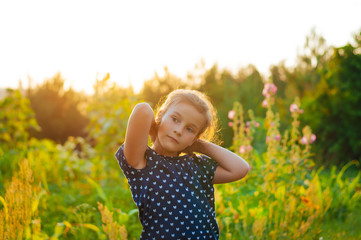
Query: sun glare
x=132, y=40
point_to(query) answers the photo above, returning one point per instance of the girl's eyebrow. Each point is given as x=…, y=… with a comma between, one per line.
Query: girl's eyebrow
x=175, y=112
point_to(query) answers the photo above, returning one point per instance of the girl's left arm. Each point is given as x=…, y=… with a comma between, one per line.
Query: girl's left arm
x=231, y=166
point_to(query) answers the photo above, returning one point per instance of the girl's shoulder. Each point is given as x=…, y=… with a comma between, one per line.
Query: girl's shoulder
x=124, y=165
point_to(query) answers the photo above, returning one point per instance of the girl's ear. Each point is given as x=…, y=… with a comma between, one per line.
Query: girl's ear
x=159, y=117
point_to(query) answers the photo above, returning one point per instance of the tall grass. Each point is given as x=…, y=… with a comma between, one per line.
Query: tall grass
x=18, y=218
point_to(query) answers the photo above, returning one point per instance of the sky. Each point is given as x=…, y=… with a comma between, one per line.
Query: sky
x=132, y=40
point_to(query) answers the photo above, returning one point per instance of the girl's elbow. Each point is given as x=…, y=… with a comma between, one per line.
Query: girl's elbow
x=144, y=110
x=142, y=107
x=249, y=168
x=244, y=171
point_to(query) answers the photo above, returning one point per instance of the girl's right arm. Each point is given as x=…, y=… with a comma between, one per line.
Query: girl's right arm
x=140, y=123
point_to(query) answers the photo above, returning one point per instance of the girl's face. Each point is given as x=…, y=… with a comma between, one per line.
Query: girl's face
x=179, y=128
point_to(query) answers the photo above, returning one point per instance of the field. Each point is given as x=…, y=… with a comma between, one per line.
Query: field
x=76, y=190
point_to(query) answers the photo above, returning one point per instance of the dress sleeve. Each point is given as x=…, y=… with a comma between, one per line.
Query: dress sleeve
x=208, y=166
x=127, y=169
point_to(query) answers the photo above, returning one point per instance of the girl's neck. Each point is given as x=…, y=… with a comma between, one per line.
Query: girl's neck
x=161, y=151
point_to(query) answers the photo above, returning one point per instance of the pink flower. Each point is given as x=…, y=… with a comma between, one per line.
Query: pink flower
x=242, y=149
x=277, y=137
x=230, y=124
x=294, y=107
x=267, y=139
x=304, y=140
x=313, y=138
x=265, y=103
x=269, y=89
x=249, y=148
x=231, y=114
x=255, y=124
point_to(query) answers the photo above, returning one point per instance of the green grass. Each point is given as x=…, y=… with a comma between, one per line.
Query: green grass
x=348, y=229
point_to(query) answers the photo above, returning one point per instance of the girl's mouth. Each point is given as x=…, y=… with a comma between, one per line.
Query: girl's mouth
x=173, y=139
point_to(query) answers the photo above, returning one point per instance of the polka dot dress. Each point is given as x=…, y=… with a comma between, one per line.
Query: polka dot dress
x=174, y=195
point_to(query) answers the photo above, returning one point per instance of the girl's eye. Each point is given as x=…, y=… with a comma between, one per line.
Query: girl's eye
x=190, y=129
x=175, y=119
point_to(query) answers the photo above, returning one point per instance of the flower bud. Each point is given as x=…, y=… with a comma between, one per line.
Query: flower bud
x=264, y=103
x=231, y=114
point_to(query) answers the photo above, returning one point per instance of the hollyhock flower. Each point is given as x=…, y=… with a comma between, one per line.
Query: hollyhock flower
x=255, y=124
x=267, y=139
x=230, y=124
x=304, y=140
x=269, y=89
x=242, y=149
x=277, y=137
x=313, y=138
x=231, y=114
x=265, y=103
x=293, y=108
x=249, y=148
x=308, y=140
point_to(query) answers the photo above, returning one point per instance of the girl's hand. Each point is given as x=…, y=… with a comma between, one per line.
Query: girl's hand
x=197, y=146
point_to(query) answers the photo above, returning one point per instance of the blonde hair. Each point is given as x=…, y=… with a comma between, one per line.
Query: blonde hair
x=201, y=102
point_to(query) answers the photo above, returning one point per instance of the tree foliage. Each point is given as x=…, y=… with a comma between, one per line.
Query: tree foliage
x=334, y=110
x=224, y=88
x=57, y=110
x=302, y=79
x=159, y=86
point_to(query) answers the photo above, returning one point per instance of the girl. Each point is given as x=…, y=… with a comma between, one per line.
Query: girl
x=171, y=186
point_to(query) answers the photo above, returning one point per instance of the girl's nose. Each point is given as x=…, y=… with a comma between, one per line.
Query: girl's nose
x=178, y=131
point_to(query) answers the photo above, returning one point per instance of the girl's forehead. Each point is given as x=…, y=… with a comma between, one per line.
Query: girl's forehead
x=188, y=112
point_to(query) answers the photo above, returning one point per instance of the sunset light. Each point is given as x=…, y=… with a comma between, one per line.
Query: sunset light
x=132, y=40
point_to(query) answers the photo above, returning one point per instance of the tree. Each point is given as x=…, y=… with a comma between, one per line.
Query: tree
x=224, y=89
x=56, y=110
x=302, y=79
x=154, y=89
x=334, y=111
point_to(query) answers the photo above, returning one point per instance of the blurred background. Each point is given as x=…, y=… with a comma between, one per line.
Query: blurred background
x=71, y=71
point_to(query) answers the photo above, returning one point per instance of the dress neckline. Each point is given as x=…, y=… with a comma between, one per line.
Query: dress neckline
x=182, y=157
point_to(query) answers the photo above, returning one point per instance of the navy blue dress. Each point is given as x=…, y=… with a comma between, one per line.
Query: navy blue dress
x=174, y=195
